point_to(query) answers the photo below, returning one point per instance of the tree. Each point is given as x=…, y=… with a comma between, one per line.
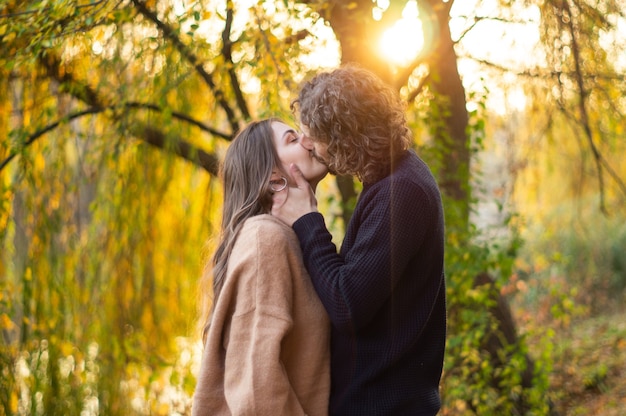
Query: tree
x=116, y=114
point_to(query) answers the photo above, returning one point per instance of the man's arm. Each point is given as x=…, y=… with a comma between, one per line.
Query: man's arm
x=354, y=285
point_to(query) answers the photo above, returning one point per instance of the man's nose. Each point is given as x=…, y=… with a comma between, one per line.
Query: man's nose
x=306, y=142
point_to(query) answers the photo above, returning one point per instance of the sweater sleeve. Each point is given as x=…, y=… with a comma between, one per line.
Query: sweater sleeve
x=391, y=228
x=256, y=382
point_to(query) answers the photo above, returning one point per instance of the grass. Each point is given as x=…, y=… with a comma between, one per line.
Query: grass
x=589, y=374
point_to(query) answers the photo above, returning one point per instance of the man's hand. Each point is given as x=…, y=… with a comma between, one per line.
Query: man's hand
x=293, y=202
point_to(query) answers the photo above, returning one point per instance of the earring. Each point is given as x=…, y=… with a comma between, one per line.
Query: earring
x=278, y=185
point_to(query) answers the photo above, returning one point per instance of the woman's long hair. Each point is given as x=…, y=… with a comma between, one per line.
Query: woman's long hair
x=245, y=171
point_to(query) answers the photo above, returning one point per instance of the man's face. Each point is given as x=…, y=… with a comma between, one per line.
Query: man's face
x=317, y=149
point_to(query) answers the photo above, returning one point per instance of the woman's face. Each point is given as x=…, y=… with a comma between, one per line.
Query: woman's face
x=290, y=150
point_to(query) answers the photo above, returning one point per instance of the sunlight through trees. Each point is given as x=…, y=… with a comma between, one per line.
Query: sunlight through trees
x=114, y=116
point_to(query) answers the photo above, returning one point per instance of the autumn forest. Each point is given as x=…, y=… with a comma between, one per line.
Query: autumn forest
x=115, y=114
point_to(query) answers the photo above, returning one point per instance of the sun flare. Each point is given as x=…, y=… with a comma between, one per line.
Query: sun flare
x=402, y=43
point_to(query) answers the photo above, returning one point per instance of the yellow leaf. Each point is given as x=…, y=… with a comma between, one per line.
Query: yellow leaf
x=8, y=38
x=13, y=402
x=6, y=322
x=163, y=409
x=40, y=162
x=66, y=348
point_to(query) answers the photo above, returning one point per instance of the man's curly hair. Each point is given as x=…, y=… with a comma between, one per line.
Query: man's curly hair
x=359, y=117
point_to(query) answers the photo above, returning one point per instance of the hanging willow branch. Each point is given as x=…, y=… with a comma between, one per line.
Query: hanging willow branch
x=582, y=104
x=150, y=135
x=600, y=162
x=88, y=95
x=170, y=34
x=227, y=46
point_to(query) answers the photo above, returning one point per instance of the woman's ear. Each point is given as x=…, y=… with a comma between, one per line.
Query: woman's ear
x=279, y=184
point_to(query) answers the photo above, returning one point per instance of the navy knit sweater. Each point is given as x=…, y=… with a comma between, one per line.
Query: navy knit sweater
x=385, y=295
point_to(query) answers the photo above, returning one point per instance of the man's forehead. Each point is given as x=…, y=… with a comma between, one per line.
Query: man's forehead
x=305, y=129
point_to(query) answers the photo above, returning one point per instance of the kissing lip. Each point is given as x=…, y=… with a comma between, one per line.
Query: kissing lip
x=317, y=157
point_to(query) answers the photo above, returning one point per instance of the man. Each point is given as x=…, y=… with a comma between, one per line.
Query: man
x=384, y=291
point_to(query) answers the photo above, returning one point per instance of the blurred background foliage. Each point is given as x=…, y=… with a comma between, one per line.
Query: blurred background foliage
x=114, y=114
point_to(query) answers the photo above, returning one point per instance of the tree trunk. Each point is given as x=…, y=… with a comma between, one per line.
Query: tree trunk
x=446, y=83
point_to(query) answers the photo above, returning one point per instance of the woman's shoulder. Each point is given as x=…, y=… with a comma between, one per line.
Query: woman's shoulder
x=266, y=237
x=262, y=236
x=265, y=223
x=268, y=230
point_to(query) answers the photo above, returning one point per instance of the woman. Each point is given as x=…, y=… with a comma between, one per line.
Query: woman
x=266, y=334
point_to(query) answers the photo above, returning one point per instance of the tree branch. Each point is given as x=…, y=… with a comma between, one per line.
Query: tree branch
x=478, y=19
x=170, y=34
x=46, y=9
x=83, y=92
x=582, y=104
x=227, y=53
x=417, y=90
x=86, y=94
x=268, y=46
x=45, y=130
x=182, y=148
x=187, y=151
x=182, y=117
x=537, y=73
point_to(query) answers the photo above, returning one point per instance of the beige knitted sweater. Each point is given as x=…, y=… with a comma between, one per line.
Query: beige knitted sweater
x=267, y=350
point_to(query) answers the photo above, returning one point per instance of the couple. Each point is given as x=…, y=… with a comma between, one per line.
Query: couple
x=296, y=328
